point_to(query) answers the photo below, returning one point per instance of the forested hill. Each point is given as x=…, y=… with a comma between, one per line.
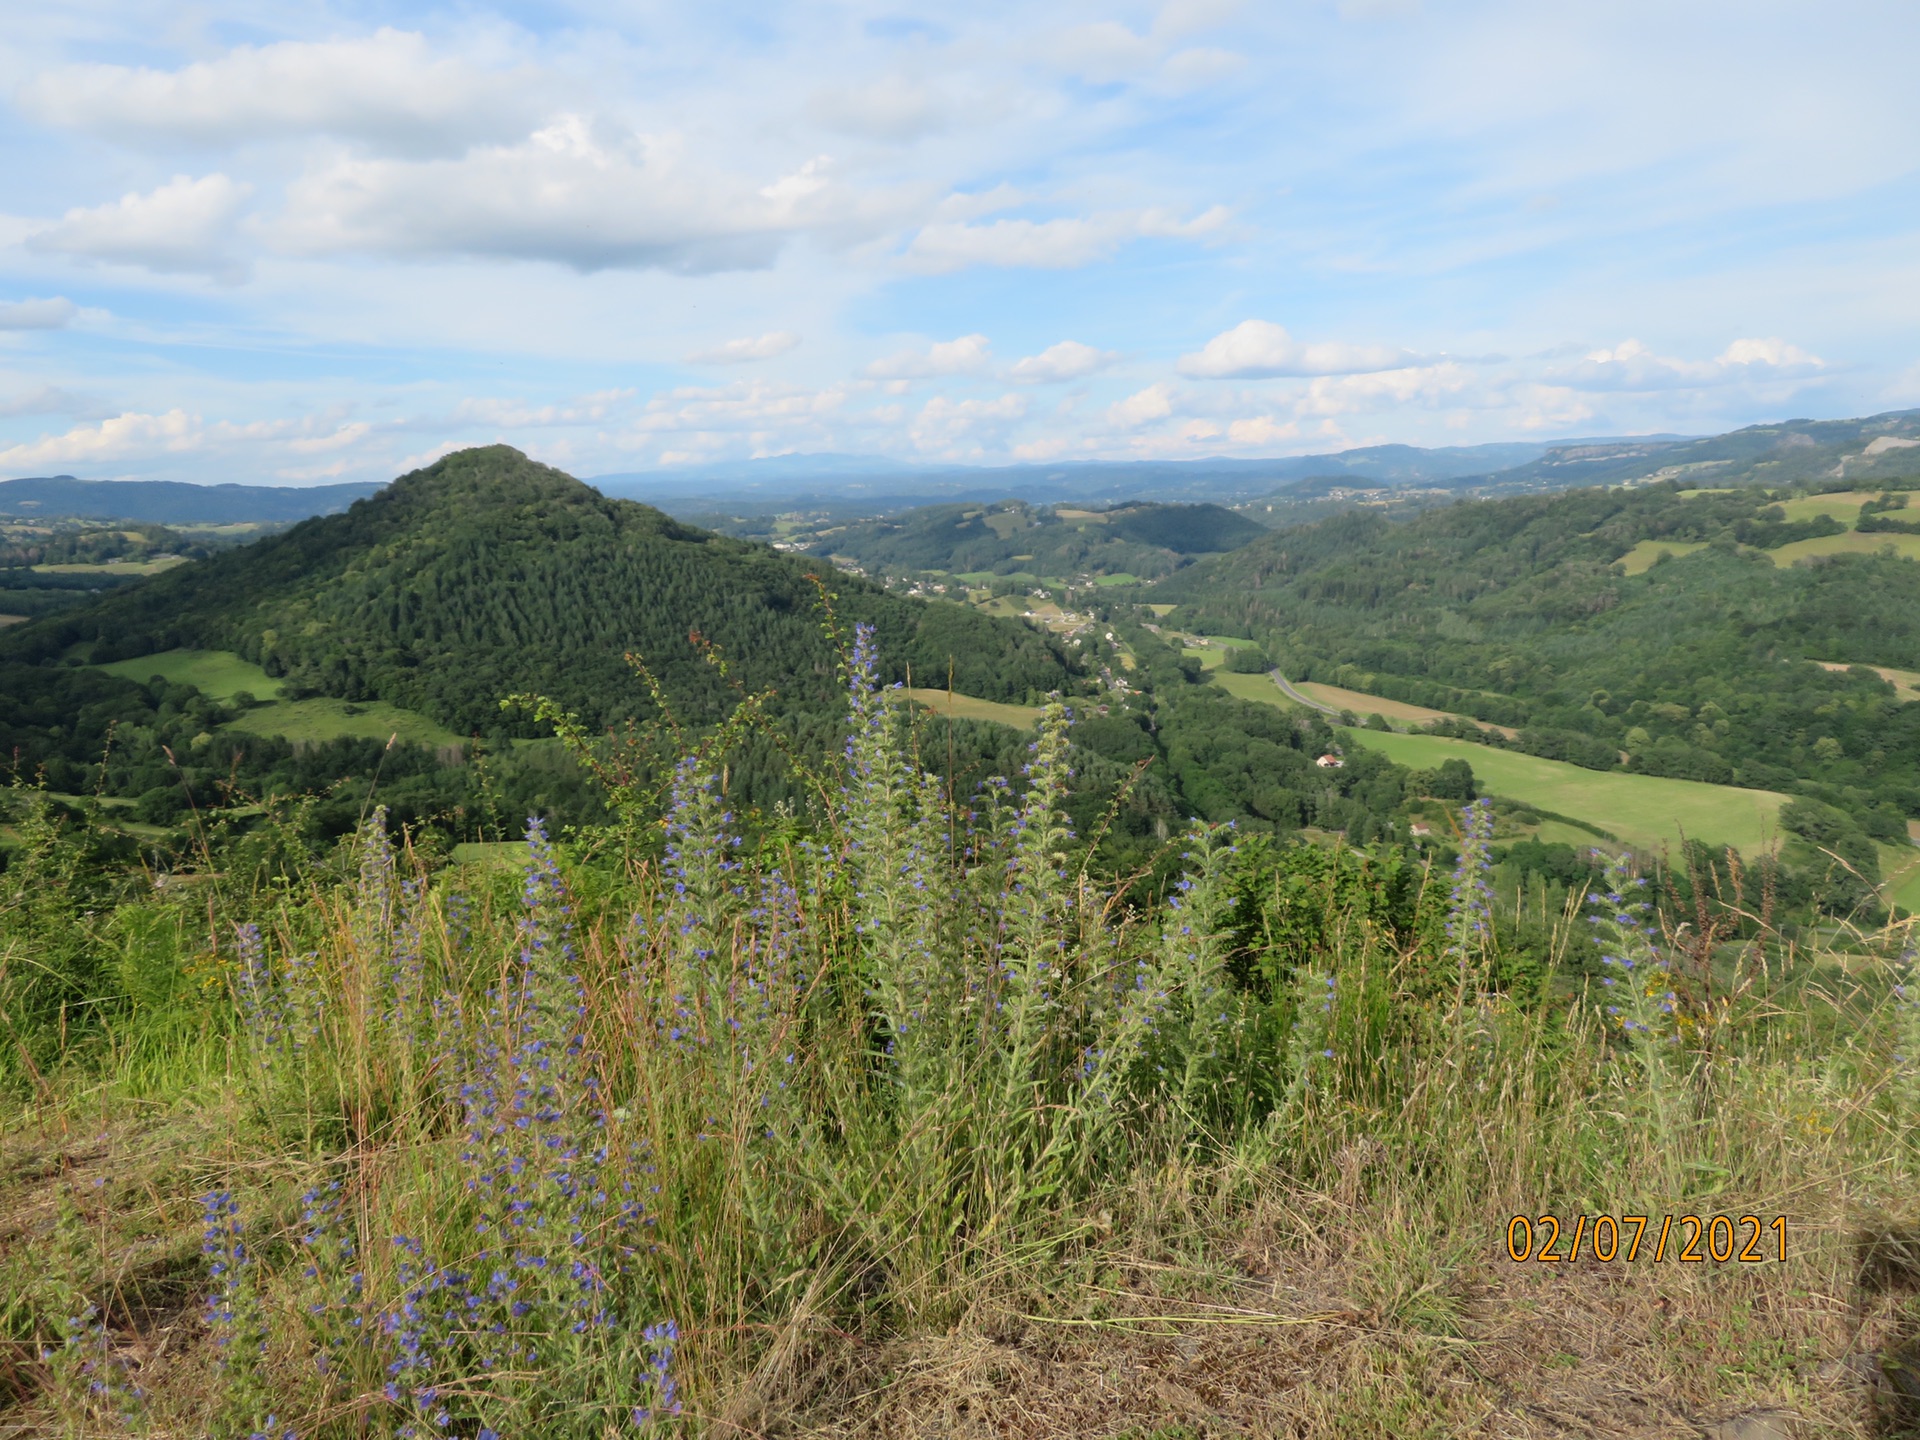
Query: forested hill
x=487, y=574
x=1011, y=536
x=1555, y=613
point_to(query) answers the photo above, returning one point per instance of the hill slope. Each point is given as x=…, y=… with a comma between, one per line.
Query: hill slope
x=1061, y=541
x=487, y=574
x=1521, y=612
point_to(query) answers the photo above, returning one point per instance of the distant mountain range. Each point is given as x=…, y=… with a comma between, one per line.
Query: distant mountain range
x=1791, y=452
x=171, y=502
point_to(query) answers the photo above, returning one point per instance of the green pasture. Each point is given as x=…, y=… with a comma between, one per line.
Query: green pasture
x=323, y=718
x=217, y=674
x=1258, y=688
x=220, y=675
x=1853, y=542
x=117, y=567
x=1641, y=557
x=1643, y=810
x=1842, y=505
x=965, y=707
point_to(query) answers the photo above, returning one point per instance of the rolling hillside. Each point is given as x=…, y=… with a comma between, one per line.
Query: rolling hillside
x=487, y=574
x=1557, y=616
x=1061, y=542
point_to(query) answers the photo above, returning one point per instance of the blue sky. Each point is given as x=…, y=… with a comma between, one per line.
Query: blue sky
x=294, y=243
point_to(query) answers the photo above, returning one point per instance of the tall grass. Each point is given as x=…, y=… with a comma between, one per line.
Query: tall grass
x=605, y=1147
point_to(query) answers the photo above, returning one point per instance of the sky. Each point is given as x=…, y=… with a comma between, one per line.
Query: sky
x=300, y=243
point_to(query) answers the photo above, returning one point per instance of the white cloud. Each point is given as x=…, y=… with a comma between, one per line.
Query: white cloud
x=1774, y=353
x=184, y=227
x=1061, y=244
x=387, y=88
x=966, y=356
x=50, y=314
x=131, y=433
x=143, y=436
x=753, y=347
x=571, y=195
x=1069, y=360
x=1633, y=366
x=1143, y=407
x=893, y=108
x=959, y=427
x=1255, y=348
x=1260, y=430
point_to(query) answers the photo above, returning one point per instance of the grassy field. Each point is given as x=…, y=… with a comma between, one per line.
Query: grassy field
x=221, y=675
x=1212, y=650
x=1119, y=578
x=965, y=707
x=1642, y=810
x=1906, y=683
x=124, y=567
x=1257, y=688
x=1852, y=543
x=1639, y=560
x=1842, y=505
x=324, y=718
x=1363, y=705
x=1261, y=689
x=217, y=674
x=6, y=620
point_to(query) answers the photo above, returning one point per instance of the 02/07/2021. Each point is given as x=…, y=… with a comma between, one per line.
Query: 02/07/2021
x=1618, y=1239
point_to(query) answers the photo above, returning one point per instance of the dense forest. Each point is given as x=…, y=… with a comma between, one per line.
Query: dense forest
x=1519, y=613
x=1012, y=537
x=487, y=574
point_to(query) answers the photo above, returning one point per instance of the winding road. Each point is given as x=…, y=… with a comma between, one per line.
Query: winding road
x=1286, y=689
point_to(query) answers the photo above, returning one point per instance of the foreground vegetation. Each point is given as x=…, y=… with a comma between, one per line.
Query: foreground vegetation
x=892, y=1118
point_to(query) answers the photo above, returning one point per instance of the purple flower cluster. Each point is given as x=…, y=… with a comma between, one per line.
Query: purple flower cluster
x=551, y=1213
x=1470, y=904
x=1638, y=974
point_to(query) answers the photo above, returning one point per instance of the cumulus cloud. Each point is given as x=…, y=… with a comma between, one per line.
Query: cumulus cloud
x=1069, y=360
x=139, y=435
x=121, y=435
x=1143, y=407
x=387, y=88
x=753, y=347
x=1060, y=244
x=572, y=195
x=965, y=426
x=53, y=313
x=1631, y=365
x=184, y=227
x=966, y=356
x=1259, y=348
